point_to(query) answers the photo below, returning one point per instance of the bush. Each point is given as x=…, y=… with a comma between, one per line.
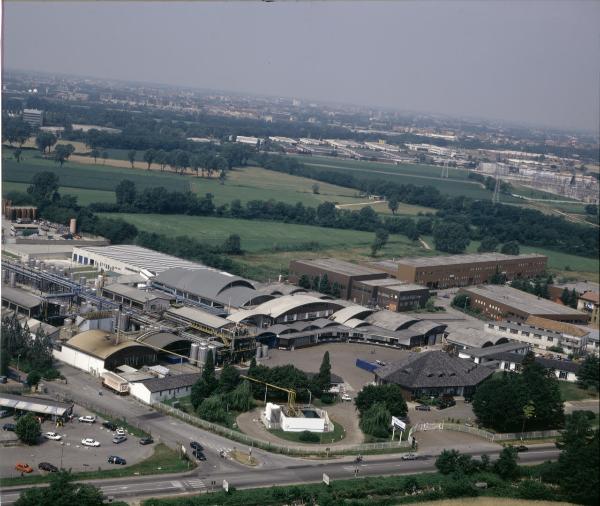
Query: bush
x=33, y=378
x=307, y=436
x=28, y=429
x=533, y=490
x=458, y=486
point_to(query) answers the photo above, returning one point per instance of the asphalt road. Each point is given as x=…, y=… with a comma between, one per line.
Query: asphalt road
x=303, y=471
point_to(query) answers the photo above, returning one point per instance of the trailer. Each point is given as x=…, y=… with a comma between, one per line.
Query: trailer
x=115, y=382
x=366, y=365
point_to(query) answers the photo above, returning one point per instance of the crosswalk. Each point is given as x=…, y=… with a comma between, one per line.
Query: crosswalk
x=194, y=484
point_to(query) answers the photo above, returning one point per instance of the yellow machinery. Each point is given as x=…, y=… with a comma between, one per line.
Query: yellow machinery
x=291, y=402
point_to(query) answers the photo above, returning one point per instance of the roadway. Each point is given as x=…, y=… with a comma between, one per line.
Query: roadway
x=205, y=480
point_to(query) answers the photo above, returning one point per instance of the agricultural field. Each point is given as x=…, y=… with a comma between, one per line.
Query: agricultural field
x=84, y=196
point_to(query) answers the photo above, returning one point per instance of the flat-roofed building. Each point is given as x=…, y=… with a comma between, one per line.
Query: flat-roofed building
x=34, y=117
x=342, y=274
x=21, y=301
x=129, y=296
x=500, y=302
x=389, y=293
x=462, y=270
x=39, y=406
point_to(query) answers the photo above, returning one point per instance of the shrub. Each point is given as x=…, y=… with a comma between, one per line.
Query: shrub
x=308, y=437
x=533, y=490
x=28, y=429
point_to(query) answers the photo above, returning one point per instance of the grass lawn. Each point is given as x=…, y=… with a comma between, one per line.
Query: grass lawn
x=571, y=392
x=84, y=196
x=256, y=235
x=163, y=460
x=325, y=438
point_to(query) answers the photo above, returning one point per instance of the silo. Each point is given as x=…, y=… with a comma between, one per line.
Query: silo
x=13, y=279
x=202, y=352
x=213, y=349
x=73, y=226
x=258, y=352
x=194, y=353
x=100, y=282
x=265, y=351
x=123, y=322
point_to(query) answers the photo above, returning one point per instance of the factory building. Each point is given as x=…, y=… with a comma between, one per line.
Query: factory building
x=21, y=301
x=128, y=296
x=390, y=294
x=159, y=389
x=499, y=302
x=97, y=351
x=129, y=259
x=34, y=117
x=339, y=273
x=210, y=288
x=462, y=270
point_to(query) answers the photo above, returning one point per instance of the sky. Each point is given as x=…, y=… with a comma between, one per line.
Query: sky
x=535, y=62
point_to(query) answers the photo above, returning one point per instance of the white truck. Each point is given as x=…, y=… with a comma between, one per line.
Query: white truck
x=115, y=382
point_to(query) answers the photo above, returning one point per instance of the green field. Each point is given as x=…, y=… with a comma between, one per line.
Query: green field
x=84, y=196
x=572, y=392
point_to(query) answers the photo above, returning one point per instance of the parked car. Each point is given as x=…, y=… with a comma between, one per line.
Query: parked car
x=346, y=397
x=119, y=439
x=194, y=445
x=120, y=431
x=522, y=448
x=87, y=419
x=113, y=459
x=409, y=456
x=446, y=401
x=23, y=468
x=46, y=466
x=89, y=442
x=423, y=407
x=4, y=413
x=3, y=379
x=146, y=441
x=52, y=435
x=9, y=426
x=109, y=425
x=199, y=455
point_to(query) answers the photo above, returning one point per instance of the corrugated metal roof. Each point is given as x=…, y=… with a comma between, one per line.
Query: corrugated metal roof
x=349, y=313
x=199, y=316
x=171, y=382
x=34, y=404
x=100, y=343
x=205, y=283
x=278, y=307
x=391, y=321
x=20, y=297
x=136, y=294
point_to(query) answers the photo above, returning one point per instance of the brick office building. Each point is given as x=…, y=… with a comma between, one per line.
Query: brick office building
x=461, y=270
x=390, y=294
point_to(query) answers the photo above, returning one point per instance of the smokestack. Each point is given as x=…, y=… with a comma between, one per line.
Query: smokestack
x=73, y=226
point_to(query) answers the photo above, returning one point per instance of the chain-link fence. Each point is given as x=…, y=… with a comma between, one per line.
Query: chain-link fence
x=490, y=436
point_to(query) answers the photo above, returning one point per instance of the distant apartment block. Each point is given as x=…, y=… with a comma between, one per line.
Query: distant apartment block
x=34, y=117
x=251, y=141
x=461, y=270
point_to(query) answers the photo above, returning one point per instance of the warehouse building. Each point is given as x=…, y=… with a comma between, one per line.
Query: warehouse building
x=96, y=351
x=21, y=301
x=499, y=302
x=210, y=288
x=390, y=294
x=342, y=274
x=462, y=270
x=129, y=259
x=159, y=389
x=128, y=296
x=433, y=373
x=34, y=117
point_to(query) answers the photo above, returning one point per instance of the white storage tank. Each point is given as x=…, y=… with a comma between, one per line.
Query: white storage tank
x=194, y=350
x=202, y=352
x=13, y=279
x=213, y=349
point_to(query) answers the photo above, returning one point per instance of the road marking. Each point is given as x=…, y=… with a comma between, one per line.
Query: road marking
x=176, y=484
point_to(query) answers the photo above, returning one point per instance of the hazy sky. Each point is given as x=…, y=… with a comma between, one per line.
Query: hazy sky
x=536, y=62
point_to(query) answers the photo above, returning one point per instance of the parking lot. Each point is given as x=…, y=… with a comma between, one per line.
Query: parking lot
x=69, y=449
x=343, y=360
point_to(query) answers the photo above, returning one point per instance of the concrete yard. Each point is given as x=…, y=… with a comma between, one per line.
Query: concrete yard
x=74, y=455
x=343, y=360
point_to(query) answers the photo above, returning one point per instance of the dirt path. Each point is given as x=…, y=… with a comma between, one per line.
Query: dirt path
x=369, y=203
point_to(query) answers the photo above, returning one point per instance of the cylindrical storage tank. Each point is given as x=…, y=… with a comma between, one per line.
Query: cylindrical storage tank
x=68, y=322
x=73, y=226
x=42, y=265
x=100, y=282
x=213, y=349
x=265, y=351
x=82, y=280
x=13, y=279
x=194, y=348
x=202, y=352
x=123, y=322
x=258, y=352
x=37, y=263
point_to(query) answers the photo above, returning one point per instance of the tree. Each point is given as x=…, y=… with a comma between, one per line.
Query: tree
x=588, y=374
x=62, y=491
x=125, y=192
x=304, y=282
x=393, y=204
x=229, y=379
x=28, y=429
x=488, y=243
x=4, y=354
x=506, y=466
x=241, y=397
x=44, y=186
x=95, y=153
x=452, y=461
x=45, y=140
x=324, y=284
x=62, y=152
x=222, y=177
x=211, y=409
x=149, y=156
x=510, y=248
x=461, y=301
x=104, y=156
x=18, y=154
x=33, y=378
x=324, y=376
x=376, y=421
x=315, y=188
x=390, y=395
x=233, y=245
x=381, y=239
x=450, y=237
x=131, y=156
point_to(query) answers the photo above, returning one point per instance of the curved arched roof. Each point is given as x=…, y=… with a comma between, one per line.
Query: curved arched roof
x=207, y=283
x=350, y=312
x=240, y=296
x=280, y=306
x=355, y=322
x=100, y=344
x=427, y=327
x=391, y=321
x=162, y=339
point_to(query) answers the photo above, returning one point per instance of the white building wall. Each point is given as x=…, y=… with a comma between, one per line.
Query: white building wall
x=80, y=360
x=294, y=424
x=139, y=391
